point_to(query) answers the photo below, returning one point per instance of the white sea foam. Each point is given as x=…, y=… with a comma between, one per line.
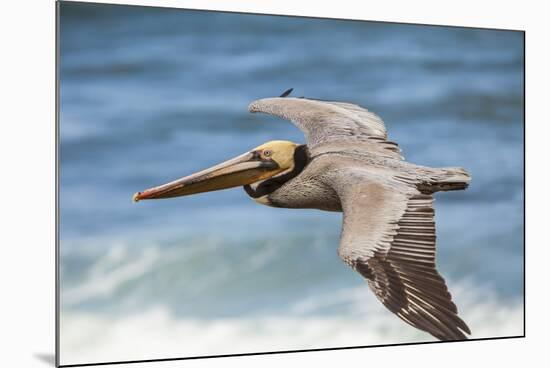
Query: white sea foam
x=105, y=277
x=346, y=317
x=157, y=333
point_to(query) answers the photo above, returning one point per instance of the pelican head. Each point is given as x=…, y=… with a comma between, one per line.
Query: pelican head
x=259, y=164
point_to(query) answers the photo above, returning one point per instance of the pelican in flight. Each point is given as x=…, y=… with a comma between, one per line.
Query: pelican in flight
x=349, y=166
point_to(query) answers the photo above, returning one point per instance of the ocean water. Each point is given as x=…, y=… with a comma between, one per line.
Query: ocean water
x=149, y=95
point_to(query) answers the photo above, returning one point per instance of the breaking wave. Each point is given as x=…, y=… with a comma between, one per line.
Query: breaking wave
x=158, y=333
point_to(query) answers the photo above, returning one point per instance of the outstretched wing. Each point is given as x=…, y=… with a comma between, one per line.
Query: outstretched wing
x=324, y=121
x=388, y=236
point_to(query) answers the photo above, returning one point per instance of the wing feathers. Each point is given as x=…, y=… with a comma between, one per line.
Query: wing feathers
x=327, y=121
x=399, y=265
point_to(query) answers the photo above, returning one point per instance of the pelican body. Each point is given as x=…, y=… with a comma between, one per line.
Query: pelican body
x=349, y=166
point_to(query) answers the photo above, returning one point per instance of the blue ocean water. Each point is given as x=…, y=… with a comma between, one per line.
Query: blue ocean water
x=149, y=95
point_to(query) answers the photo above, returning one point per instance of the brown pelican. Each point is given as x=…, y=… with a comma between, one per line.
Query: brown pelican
x=348, y=165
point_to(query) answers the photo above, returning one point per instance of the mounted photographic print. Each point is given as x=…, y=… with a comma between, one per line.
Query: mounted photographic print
x=235, y=183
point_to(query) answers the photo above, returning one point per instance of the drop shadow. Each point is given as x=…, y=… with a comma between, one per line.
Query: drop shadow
x=46, y=358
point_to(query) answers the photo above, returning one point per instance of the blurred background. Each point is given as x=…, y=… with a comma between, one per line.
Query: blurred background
x=149, y=95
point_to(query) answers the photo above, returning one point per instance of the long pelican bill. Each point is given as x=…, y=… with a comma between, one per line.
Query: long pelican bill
x=242, y=170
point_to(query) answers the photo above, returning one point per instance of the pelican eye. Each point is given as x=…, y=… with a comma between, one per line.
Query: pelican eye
x=267, y=153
